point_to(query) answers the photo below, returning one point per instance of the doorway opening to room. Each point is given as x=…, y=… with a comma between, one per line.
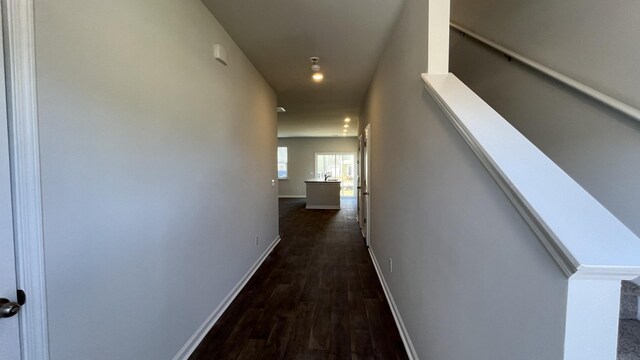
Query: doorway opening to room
x=340, y=166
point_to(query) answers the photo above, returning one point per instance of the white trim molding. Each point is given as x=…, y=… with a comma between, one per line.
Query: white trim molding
x=591, y=246
x=202, y=331
x=25, y=165
x=577, y=230
x=404, y=334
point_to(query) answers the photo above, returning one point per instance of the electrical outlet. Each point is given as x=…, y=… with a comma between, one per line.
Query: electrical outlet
x=257, y=240
x=390, y=265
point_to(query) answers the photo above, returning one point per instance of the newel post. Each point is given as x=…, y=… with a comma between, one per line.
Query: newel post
x=439, y=17
x=593, y=310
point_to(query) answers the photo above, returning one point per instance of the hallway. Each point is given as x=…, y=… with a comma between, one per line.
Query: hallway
x=317, y=296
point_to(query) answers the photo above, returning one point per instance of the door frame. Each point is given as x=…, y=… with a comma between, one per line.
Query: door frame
x=359, y=183
x=366, y=164
x=19, y=45
x=9, y=327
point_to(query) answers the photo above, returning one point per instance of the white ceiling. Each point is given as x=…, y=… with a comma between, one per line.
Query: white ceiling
x=279, y=37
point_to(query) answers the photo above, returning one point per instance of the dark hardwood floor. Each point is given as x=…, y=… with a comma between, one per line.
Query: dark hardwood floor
x=316, y=296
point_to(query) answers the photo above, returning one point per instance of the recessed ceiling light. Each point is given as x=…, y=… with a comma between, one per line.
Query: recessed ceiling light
x=347, y=119
x=346, y=125
x=317, y=77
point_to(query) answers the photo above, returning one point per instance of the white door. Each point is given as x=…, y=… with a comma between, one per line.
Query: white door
x=9, y=336
x=366, y=146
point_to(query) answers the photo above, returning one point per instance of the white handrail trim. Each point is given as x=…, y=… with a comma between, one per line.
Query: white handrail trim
x=581, y=235
x=607, y=100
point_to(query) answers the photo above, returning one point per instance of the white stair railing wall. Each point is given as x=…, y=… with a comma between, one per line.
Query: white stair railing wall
x=591, y=246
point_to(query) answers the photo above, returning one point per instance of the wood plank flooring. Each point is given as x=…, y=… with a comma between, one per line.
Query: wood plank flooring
x=316, y=296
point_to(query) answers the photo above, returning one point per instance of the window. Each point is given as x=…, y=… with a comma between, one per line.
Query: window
x=339, y=166
x=283, y=168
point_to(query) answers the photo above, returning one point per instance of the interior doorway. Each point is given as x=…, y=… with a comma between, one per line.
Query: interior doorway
x=340, y=166
x=359, y=182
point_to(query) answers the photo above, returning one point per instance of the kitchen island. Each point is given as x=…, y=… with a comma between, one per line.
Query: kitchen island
x=323, y=194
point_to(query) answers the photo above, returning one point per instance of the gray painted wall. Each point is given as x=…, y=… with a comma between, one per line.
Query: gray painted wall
x=470, y=278
x=302, y=152
x=592, y=41
x=157, y=164
x=595, y=42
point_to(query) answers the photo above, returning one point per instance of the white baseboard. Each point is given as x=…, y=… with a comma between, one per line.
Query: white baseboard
x=292, y=196
x=408, y=345
x=323, y=207
x=204, y=329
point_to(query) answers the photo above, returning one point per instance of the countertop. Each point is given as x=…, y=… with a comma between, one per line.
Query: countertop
x=323, y=181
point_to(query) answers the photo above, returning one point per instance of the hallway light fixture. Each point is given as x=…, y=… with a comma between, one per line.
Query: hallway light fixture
x=317, y=75
x=346, y=125
x=347, y=120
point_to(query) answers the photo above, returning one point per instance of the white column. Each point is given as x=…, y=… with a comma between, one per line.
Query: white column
x=439, y=16
x=593, y=310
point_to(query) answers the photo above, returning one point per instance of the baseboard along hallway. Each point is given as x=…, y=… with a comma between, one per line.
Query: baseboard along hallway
x=316, y=296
